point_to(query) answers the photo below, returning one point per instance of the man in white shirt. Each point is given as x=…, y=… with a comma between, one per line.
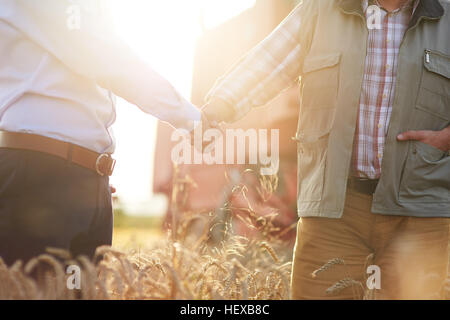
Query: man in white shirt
x=56, y=110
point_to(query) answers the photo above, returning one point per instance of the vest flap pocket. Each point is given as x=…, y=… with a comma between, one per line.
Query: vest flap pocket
x=437, y=62
x=433, y=99
x=317, y=62
x=425, y=177
x=311, y=137
x=312, y=158
x=429, y=153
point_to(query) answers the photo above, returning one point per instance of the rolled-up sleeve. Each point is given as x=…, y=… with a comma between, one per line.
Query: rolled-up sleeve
x=272, y=66
x=93, y=50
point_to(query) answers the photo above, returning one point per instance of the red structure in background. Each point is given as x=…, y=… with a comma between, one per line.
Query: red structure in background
x=217, y=50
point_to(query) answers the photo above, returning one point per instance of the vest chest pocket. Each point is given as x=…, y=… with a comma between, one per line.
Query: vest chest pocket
x=433, y=100
x=319, y=90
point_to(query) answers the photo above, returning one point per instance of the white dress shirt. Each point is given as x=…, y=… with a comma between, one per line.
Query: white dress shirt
x=57, y=79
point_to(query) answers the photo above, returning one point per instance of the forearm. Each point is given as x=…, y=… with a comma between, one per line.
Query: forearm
x=94, y=51
x=142, y=86
x=272, y=66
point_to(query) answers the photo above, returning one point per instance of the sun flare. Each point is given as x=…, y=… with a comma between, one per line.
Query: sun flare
x=163, y=33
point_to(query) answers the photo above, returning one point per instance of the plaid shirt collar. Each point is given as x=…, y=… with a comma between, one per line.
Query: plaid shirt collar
x=424, y=8
x=406, y=6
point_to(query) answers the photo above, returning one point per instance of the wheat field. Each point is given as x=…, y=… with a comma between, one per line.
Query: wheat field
x=184, y=263
x=238, y=268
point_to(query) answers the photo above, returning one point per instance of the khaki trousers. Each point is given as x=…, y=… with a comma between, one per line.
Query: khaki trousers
x=411, y=253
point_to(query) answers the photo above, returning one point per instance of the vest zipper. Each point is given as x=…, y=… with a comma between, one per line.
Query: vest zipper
x=427, y=56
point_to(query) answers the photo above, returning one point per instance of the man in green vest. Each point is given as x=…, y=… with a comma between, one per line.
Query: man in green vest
x=373, y=140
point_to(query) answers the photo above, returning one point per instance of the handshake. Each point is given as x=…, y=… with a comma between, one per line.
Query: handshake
x=212, y=115
x=216, y=111
x=233, y=146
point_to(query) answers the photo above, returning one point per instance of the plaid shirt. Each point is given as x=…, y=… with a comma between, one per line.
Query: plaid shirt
x=275, y=64
x=378, y=90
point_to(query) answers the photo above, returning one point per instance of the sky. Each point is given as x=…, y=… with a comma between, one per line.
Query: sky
x=163, y=33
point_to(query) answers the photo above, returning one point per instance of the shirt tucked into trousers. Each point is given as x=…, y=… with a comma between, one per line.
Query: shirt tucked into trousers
x=60, y=82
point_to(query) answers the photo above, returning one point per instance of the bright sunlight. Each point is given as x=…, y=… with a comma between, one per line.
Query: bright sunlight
x=163, y=32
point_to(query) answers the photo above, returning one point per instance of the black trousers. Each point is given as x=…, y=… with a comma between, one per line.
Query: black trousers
x=46, y=201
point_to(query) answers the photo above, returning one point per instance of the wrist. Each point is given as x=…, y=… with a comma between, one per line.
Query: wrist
x=218, y=110
x=446, y=133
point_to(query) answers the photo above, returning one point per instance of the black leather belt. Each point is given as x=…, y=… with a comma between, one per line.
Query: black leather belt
x=364, y=186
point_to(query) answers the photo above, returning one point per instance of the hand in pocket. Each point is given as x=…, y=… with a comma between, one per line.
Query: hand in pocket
x=437, y=139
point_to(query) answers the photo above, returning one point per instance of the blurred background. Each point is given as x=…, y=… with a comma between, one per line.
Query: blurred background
x=192, y=43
